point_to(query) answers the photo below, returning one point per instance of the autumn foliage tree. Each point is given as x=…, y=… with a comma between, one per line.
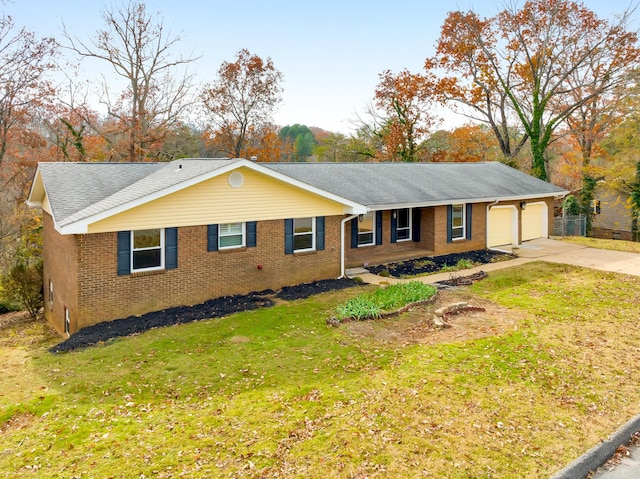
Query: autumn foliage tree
x=241, y=101
x=523, y=65
x=405, y=100
x=467, y=143
x=25, y=93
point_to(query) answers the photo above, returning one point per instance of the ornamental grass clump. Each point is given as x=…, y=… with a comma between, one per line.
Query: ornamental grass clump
x=395, y=296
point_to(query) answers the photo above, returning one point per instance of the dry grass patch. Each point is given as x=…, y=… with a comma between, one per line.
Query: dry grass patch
x=616, y=245
x=416, y=325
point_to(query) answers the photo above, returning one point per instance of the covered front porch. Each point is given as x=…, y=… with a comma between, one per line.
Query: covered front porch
x=363, y=257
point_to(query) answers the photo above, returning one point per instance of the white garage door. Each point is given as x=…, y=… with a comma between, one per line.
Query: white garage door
x=534, y=219
x=500, y=226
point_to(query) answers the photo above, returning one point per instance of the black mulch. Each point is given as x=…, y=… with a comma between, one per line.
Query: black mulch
x=433, y=264
x=214, y=308
x=302, y=291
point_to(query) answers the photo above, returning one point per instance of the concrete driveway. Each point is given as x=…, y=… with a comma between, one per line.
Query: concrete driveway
x=568, y=253
x=550, y=250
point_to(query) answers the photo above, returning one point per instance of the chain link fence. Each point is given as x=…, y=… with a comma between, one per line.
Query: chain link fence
x=570, y=225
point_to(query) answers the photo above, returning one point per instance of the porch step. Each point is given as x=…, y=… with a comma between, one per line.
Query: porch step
x=352, y=272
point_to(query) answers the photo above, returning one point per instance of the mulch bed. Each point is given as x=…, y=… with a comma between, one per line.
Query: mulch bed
x=214, y=308
x=433, y=264
x=302, y=291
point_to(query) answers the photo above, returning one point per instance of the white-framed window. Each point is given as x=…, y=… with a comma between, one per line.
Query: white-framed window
x=366, y=229
x=304, y=234
x=147, y=249
x=458, y=221
x=231, y=235
x=403, y=224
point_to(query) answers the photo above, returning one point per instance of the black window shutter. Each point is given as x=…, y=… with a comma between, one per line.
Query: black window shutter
x=252, y=237
x=212, y=238
x=449, y=223
x=415, y=224
x=288, y=236
x=354, y=233
x=394, y=226
x=378, y=227
x=320, y=233
x=171, y=248
x=469, y=208
x=124, y=252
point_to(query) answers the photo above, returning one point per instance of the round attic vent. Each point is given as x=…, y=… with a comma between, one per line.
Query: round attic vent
x=236, y=179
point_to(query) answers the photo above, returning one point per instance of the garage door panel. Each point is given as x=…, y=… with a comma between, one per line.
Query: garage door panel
x=532, y=222
x=500, y=226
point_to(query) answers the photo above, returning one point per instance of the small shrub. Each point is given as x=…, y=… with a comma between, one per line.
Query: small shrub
x=465, y=264
x=8, y=307
x=384, y=273
x=462, y=263
x=23, y=284
x=357, y=279
x=425, y=263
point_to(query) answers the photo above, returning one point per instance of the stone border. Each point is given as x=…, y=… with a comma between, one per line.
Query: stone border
x=598, y=455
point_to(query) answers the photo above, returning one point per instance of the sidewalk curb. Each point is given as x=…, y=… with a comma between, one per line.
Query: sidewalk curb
x=598, y=455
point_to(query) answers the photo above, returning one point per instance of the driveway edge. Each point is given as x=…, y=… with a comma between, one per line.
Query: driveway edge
x=598, y=455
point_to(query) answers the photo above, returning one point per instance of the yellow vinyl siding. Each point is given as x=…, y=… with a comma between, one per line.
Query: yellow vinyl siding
x=500, y=227
x=260, y=198
x=46, y=206
x=532, y=221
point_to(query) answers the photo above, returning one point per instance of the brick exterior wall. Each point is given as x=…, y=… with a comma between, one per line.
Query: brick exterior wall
x=83, y=268
x=433, y=237
x=201, y=275
x=478, y=231
x=60, y=266
x=614, y=220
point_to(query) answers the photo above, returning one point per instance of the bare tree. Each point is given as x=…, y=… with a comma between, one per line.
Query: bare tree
x=242, y=99
x=24, y=60
x=139, y=49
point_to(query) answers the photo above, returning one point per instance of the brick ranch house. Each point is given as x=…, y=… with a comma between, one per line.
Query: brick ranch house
x=130, y=238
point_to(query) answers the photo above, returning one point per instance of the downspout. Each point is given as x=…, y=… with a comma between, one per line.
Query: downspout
x=342, y=248
x=487, y=225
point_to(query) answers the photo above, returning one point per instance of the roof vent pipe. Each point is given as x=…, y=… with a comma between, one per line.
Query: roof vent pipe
x=254, y=158
x=179, y=168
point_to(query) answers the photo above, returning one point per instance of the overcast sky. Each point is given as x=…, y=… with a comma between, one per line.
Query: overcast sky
x=330, y=52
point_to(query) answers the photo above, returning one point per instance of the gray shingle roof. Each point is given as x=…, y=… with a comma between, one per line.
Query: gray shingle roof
x=72, y=187
x=162, y=177
x=78, y=191
x=386, y=184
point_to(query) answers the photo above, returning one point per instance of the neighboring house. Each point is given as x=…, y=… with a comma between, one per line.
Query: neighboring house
x=613, y=220
x=129, y=238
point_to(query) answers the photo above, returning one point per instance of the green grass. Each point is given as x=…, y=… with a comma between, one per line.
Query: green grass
x=277, y=393
x=616, y=245
x=395, y=296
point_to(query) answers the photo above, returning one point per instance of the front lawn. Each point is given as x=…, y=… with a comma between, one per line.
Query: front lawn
x=276, y=393
x=616, y=245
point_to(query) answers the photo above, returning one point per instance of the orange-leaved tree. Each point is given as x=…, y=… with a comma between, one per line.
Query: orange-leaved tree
x=240, y=101
x=519, y=67
x=406, y=101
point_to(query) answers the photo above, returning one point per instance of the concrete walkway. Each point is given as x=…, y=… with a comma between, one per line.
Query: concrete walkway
x=550, y=250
